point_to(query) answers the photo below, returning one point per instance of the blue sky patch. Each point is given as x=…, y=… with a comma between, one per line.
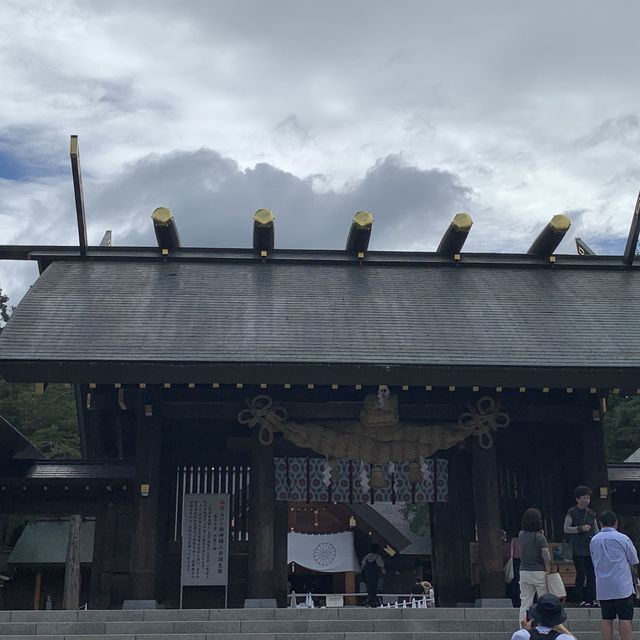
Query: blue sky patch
x=12, y=167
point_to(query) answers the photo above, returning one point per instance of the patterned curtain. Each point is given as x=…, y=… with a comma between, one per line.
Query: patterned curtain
x=354, y=481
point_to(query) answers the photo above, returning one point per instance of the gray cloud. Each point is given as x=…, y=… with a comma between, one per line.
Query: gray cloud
x=292, y=129
x=623, y=130
x=317, y=110
x=213, y=201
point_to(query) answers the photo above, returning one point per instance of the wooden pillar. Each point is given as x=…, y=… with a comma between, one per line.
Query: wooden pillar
x=144, y=543
x=486, y=500
x=350, y=587
x=594, y=457
x=280, y=530
x=37, y=590
x=71, y=598
x=102, y=566
x=452, y=531
x=261, y=522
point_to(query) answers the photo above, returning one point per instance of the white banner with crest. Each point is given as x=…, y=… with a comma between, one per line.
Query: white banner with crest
x=329, y=553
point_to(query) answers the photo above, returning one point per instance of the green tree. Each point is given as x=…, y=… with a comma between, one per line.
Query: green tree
x=4, y=309
x=622, y=427
x=49, y=420
x=417, y=515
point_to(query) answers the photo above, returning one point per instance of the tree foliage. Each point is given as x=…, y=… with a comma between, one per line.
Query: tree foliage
x=49, y=420
x=417, y=515
x=4, y=309
x=622, y=427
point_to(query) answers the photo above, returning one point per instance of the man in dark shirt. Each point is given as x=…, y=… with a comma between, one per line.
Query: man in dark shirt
x=580, y=525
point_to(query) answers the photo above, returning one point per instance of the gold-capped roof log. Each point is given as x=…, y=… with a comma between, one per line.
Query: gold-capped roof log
x=455, y=235
x=263, y=230
x=359, y=232
x=162, y=216
x=551, y=236
x=165, y=227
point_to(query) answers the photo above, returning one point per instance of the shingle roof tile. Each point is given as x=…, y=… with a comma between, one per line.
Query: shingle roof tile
x=328, y=313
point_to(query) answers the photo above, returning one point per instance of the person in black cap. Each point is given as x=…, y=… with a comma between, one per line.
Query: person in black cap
x=372, y=570
x=545, y=621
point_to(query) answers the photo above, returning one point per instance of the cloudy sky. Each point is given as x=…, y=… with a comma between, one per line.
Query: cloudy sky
x=412, y=109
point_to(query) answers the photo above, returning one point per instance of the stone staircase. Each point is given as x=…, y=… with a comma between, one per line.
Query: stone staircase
x=280, y=624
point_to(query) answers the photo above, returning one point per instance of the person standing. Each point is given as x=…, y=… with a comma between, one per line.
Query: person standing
x=580, y=524
x=418, y=592
x=535, y=560
x=372, y=570
x=615, y=561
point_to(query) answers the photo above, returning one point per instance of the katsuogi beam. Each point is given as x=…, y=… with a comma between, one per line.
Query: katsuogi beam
x=263, y=230
x=165, y=227
x=359, y=233
x=455, y=235
x=551, y=236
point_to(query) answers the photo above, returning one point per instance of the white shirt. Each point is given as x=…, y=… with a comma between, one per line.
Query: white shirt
x=523, y=634
x=612, y=552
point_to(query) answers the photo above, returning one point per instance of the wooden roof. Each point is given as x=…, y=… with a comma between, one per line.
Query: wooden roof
x=323, y=317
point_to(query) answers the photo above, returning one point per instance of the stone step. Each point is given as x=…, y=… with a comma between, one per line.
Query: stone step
x=210, y=627
x=280, y=624
x=347, y=613
x=446, y=635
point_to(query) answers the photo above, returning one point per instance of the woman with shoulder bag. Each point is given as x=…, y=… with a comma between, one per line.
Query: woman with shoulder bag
x=535, y=560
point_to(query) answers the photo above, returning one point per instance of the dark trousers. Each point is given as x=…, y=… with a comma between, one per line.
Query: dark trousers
x=372, y=594
x=584, y=569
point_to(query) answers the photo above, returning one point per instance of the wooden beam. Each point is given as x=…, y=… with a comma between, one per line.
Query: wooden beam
x=74, y=153
x=126, y=372
x=165, y=227
x=415, y=411
x=551, y=236
x=455, y=235
x=632, y=239
x=359, y=233
x=71, y=598
x=263, y=230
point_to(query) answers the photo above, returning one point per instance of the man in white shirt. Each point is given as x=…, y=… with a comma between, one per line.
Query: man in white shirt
x=547, y=617
x=615, y=562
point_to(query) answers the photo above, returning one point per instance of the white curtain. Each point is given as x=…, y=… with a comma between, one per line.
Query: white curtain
x=330, y=553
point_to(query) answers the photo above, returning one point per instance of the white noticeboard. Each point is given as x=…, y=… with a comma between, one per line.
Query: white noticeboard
x=205, y=541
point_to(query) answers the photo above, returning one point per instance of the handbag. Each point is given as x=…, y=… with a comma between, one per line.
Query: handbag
x=508, y=571
x=509, y=575
x=565, y=551
x=555, y=585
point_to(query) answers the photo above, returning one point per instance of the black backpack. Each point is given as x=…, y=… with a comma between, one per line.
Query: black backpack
x=536, y=635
